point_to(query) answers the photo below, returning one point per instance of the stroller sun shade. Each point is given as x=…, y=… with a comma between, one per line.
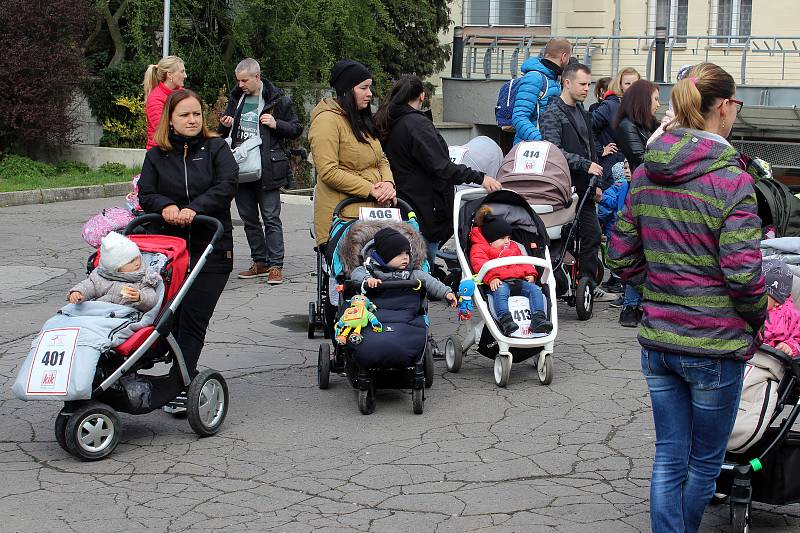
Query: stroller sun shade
x=539, y=172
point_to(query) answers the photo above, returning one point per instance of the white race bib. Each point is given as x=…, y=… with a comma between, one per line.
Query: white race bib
x=531, y=157
x=520, y=309
x=52, y=362
x=457, y=153
x=379, y=213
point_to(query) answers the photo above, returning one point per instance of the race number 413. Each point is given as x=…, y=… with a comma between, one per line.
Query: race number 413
x=379, y=213
x=52, y=362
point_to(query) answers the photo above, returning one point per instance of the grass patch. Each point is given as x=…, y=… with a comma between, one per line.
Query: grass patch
x=23, y=174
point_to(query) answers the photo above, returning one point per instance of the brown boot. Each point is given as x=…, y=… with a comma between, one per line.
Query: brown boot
x=275, y=276
x=256, y=270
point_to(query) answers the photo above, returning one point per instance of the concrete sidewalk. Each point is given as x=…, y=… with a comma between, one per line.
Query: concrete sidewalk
x=572, y=457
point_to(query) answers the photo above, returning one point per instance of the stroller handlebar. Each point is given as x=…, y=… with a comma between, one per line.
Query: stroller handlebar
x=513, y=260
x=387, y=285
x=404, y=206
x=155, y=217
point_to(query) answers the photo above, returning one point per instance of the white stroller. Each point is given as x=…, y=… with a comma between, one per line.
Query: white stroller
x=527, y=229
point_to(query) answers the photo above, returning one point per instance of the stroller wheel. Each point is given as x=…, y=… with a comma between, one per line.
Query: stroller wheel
x=544, y=367
x=92, y=431
x=366, y=400
x=502, y=369
x=207, y=402
x=324, y=366
x=740, y=514
x=429, y=368
x=584, y=299
x=61, y=430
x=418, y=400
x=312, y=319
x=453, y=354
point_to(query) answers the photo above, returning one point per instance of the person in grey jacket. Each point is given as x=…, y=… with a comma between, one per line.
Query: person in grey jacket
x=120, y=278
x=387, y=258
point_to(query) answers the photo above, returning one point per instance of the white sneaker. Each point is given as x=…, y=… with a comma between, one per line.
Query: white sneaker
x=602, y=296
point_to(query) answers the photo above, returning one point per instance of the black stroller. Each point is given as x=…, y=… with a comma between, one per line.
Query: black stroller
x=768, y=471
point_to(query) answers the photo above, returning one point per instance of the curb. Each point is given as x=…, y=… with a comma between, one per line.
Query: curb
x=88, y=192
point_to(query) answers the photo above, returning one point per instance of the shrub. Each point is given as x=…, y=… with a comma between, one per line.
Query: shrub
x=117, y=169
x=16, y=167
x=131, y=130
x=67, y=167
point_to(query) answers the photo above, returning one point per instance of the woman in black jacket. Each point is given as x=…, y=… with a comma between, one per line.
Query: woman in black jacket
x=420, y=161
x=636, y=121
x=634, y=124
x=192, y=172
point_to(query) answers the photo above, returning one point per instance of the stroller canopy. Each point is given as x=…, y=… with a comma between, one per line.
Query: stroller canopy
x=481, y=154
x=538, y=171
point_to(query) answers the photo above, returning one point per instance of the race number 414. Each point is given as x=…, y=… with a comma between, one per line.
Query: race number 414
x=531, y=157
x=52, y=361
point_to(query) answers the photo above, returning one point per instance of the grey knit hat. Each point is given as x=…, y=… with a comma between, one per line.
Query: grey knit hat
x=778, y=279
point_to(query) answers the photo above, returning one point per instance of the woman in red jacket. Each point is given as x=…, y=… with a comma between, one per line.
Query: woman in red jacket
x=491, y=239
x=159, y=82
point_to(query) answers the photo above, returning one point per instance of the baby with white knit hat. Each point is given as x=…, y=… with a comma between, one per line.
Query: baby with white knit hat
x=120, y=278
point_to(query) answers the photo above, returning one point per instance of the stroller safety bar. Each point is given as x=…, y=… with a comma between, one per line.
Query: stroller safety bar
x=516, y=260
x=404, y=206
x=386, y=285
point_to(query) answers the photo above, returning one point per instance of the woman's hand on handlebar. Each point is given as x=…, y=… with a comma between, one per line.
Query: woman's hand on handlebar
x=171, y=214
x=186, y=216
x=491, y=184
x=383, y=192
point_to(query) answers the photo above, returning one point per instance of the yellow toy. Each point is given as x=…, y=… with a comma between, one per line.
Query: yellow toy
x=360, y=314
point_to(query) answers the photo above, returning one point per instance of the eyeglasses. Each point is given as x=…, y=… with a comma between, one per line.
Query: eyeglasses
x=739, y=104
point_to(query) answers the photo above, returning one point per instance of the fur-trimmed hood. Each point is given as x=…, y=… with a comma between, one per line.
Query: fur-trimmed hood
x=361, y=235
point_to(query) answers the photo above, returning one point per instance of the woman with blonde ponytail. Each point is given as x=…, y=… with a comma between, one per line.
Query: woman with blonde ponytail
x=688, y=239
x=160, y=80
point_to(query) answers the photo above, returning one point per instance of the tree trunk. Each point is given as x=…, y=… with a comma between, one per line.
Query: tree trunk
x=112, y=21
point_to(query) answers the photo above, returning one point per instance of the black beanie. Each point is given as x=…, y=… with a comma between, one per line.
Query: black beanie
x=495, y=228
x=389, y=243
x=346, y=74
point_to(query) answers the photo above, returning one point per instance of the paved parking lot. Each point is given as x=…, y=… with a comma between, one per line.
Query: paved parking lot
x=571, y=457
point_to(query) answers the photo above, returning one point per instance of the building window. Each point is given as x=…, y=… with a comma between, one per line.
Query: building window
x=678, y=20
x=508, y=12
x=731, y=18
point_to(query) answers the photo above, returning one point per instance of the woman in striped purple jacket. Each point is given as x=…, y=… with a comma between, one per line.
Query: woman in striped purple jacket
x=688, y=238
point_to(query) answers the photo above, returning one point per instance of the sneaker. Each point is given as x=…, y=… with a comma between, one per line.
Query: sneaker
x=602, y=296
x=618, y=302
x=177, y=406
x=629, y=317
x=540, y=324
x=256, y=270
x=275, y=276
x=616, y=288
x=507, y=324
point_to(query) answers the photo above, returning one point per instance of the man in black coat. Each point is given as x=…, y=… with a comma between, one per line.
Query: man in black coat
x=566, y=124
x=257, y=109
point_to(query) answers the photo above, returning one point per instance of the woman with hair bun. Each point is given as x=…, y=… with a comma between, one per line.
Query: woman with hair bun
x=160, y=80
x=688, y=238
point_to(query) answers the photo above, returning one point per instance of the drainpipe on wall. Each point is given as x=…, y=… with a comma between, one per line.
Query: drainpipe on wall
x=662, y=21
x=458, y=52
x=616, y=31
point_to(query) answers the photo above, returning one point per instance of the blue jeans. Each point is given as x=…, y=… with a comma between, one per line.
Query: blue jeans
x=632, y=297
x=529, y=290
x=695, y=400
x=433, y=249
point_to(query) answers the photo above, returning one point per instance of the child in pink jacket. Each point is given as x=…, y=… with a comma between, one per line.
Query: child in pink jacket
x=782, y=329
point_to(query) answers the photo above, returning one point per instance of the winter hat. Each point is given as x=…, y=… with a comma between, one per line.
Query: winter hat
x=494, y=228
x=778, y=279
x=117, y=250
x=346, y=74
x=618, y=171
x=390, y=243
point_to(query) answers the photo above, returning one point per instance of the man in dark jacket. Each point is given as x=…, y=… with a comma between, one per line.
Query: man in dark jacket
x=566, y=124
x=259, y=110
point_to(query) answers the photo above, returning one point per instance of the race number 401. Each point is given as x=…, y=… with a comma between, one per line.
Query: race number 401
x=52, y=361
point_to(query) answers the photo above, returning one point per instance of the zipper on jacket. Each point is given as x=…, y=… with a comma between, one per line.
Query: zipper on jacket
x=185, y=170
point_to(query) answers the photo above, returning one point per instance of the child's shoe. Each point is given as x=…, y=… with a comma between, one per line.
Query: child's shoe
x=540, y=324
x=507, y=324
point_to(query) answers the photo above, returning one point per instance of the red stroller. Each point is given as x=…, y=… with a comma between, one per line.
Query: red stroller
x=90, y=429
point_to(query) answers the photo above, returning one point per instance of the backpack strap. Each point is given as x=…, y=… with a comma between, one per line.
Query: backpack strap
x=539, y=97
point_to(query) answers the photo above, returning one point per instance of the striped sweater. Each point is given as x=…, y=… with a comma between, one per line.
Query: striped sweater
x=689, y=239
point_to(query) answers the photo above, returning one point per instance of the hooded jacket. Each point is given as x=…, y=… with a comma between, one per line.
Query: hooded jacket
x=423, y=172
x=689, y=238
x=559, y=127
x=345, y=167
x=153, y=108
x=536, y=76
x=602, y=118
x=274, y=157
x=783, y=325
x=481, y=251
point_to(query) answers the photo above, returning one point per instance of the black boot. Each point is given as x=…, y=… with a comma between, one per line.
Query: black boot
x=540, y=324
x=507, y=324
x=629, y=317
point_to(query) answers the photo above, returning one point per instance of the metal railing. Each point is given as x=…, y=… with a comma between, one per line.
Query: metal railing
x=749, y=59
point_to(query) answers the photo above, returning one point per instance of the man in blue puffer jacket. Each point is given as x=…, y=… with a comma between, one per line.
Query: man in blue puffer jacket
x=538, y=84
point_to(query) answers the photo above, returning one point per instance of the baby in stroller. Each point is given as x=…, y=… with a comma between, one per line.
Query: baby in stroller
x=491, y=239
x=782, y=329
x=120, y=278
x=389, y=258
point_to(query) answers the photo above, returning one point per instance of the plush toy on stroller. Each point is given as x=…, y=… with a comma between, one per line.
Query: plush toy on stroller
x=88, y=355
